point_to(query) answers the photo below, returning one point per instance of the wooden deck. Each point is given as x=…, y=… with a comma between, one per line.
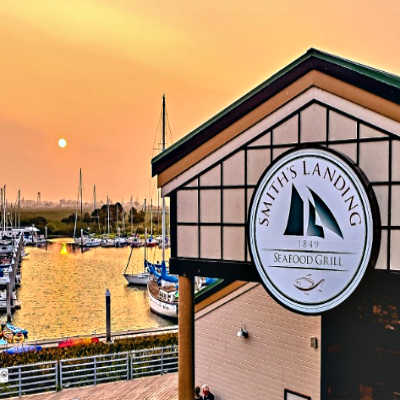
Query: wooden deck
x=159, y=387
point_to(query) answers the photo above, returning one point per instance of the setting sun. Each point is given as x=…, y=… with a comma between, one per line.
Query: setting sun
x=62, y=143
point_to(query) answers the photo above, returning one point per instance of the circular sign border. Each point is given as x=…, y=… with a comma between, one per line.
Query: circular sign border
x=375, y=215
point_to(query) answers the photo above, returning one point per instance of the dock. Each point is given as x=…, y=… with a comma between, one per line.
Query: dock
x=11, y=251
x=158, y=387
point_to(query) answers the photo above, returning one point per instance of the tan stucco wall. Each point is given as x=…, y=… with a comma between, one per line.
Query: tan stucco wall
x=277, y=354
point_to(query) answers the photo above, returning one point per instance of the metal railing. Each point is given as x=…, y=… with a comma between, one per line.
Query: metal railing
x=156, y=361
x=92, y=370
x=29, y=379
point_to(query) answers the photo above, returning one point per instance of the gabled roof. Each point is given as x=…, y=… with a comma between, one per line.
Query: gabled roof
x=378, y=82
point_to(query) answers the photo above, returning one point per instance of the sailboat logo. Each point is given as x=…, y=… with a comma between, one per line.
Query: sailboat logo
x=295, y=225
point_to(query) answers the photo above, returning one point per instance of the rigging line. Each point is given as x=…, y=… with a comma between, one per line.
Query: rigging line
x=169, y=126
x=129, y=259
x=155, y=143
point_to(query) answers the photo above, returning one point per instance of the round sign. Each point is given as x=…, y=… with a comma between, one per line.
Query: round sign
x=313, y=229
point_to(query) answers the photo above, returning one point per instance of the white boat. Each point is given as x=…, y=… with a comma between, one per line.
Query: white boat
x=5, y=279
x=135, y=241
x=151, y=242
x=93, y=242
x=6, y=247
x=3, y=298
x=30, y=234
x=120, y=241
x=166, y=242
x=138, y=279
x=107, y=242
x=162, y=288
x=163, y=300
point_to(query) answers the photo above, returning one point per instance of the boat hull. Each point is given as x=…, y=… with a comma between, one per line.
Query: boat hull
x=162, y=308
x=137, y=279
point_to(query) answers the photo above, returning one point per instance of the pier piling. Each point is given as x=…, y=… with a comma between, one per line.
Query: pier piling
x=108, y=316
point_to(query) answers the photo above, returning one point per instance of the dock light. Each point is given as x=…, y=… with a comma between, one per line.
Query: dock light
x=242, y=332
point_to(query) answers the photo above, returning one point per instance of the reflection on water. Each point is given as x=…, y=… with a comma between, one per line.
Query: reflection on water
x=63, y=291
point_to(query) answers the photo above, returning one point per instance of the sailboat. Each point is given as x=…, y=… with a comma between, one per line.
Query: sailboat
x=162, y=288
x=85, y=240
x=107, y=240
x=139, y=278
x=79, y=241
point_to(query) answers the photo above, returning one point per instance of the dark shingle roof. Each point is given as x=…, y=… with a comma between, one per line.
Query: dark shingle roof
x=379, y=82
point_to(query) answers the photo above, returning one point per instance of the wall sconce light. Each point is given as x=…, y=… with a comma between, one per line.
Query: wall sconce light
x=314, y=342
x=242, y=332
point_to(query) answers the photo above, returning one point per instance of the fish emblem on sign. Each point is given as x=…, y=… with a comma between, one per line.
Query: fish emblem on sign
x=306, y=283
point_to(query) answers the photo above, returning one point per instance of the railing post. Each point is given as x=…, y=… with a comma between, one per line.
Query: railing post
x=61, y=375
x=95, y=371
x=128, y=366
x=19, y=382
x=162, y=361
x=56, y=372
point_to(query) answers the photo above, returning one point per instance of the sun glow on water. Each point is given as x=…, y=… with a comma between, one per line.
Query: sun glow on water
x=64, y=249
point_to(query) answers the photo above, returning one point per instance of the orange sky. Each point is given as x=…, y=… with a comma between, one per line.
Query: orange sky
x=93, y=72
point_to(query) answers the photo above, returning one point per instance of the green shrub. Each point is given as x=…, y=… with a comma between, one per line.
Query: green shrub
x=121, y=345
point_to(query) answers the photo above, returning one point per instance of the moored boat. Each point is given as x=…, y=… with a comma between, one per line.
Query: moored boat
x=162, y=289
x=163, y=300
x=23, y=349
x=135, y=241
x=137, y=279
x=151, y=242
x=107, y=242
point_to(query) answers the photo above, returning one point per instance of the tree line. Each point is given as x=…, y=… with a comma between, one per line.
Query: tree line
x=120, y=220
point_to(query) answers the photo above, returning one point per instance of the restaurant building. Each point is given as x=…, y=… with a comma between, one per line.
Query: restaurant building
x=291, y=197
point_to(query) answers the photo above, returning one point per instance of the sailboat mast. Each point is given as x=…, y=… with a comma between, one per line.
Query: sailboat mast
x=3, y=202
x=76, y=213
x=131, y=215
x=163, y=198
x=1, y=205
x=158, y=212
x=108, y=216
x=145, y=232
x=116, y=213
x=19, y=208
x=4, y=208
x=151, y=217
x=80, y=191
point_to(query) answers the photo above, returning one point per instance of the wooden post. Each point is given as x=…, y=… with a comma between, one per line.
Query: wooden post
x=108, y=316
x=186, y=338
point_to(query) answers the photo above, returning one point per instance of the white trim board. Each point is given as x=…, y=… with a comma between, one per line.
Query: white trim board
x=312, y=93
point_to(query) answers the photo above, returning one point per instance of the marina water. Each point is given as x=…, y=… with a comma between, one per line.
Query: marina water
x=62, y=292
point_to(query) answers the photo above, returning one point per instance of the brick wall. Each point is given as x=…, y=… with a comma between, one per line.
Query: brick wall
x=277, y=354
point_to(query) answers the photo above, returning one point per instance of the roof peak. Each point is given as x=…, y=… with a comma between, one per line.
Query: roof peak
x=381, y=83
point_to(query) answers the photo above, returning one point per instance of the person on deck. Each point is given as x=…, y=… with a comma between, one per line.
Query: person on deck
x=197, y=393
x=207, y=395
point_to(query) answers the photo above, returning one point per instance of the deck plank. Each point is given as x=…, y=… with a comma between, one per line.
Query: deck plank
x=159, y=387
